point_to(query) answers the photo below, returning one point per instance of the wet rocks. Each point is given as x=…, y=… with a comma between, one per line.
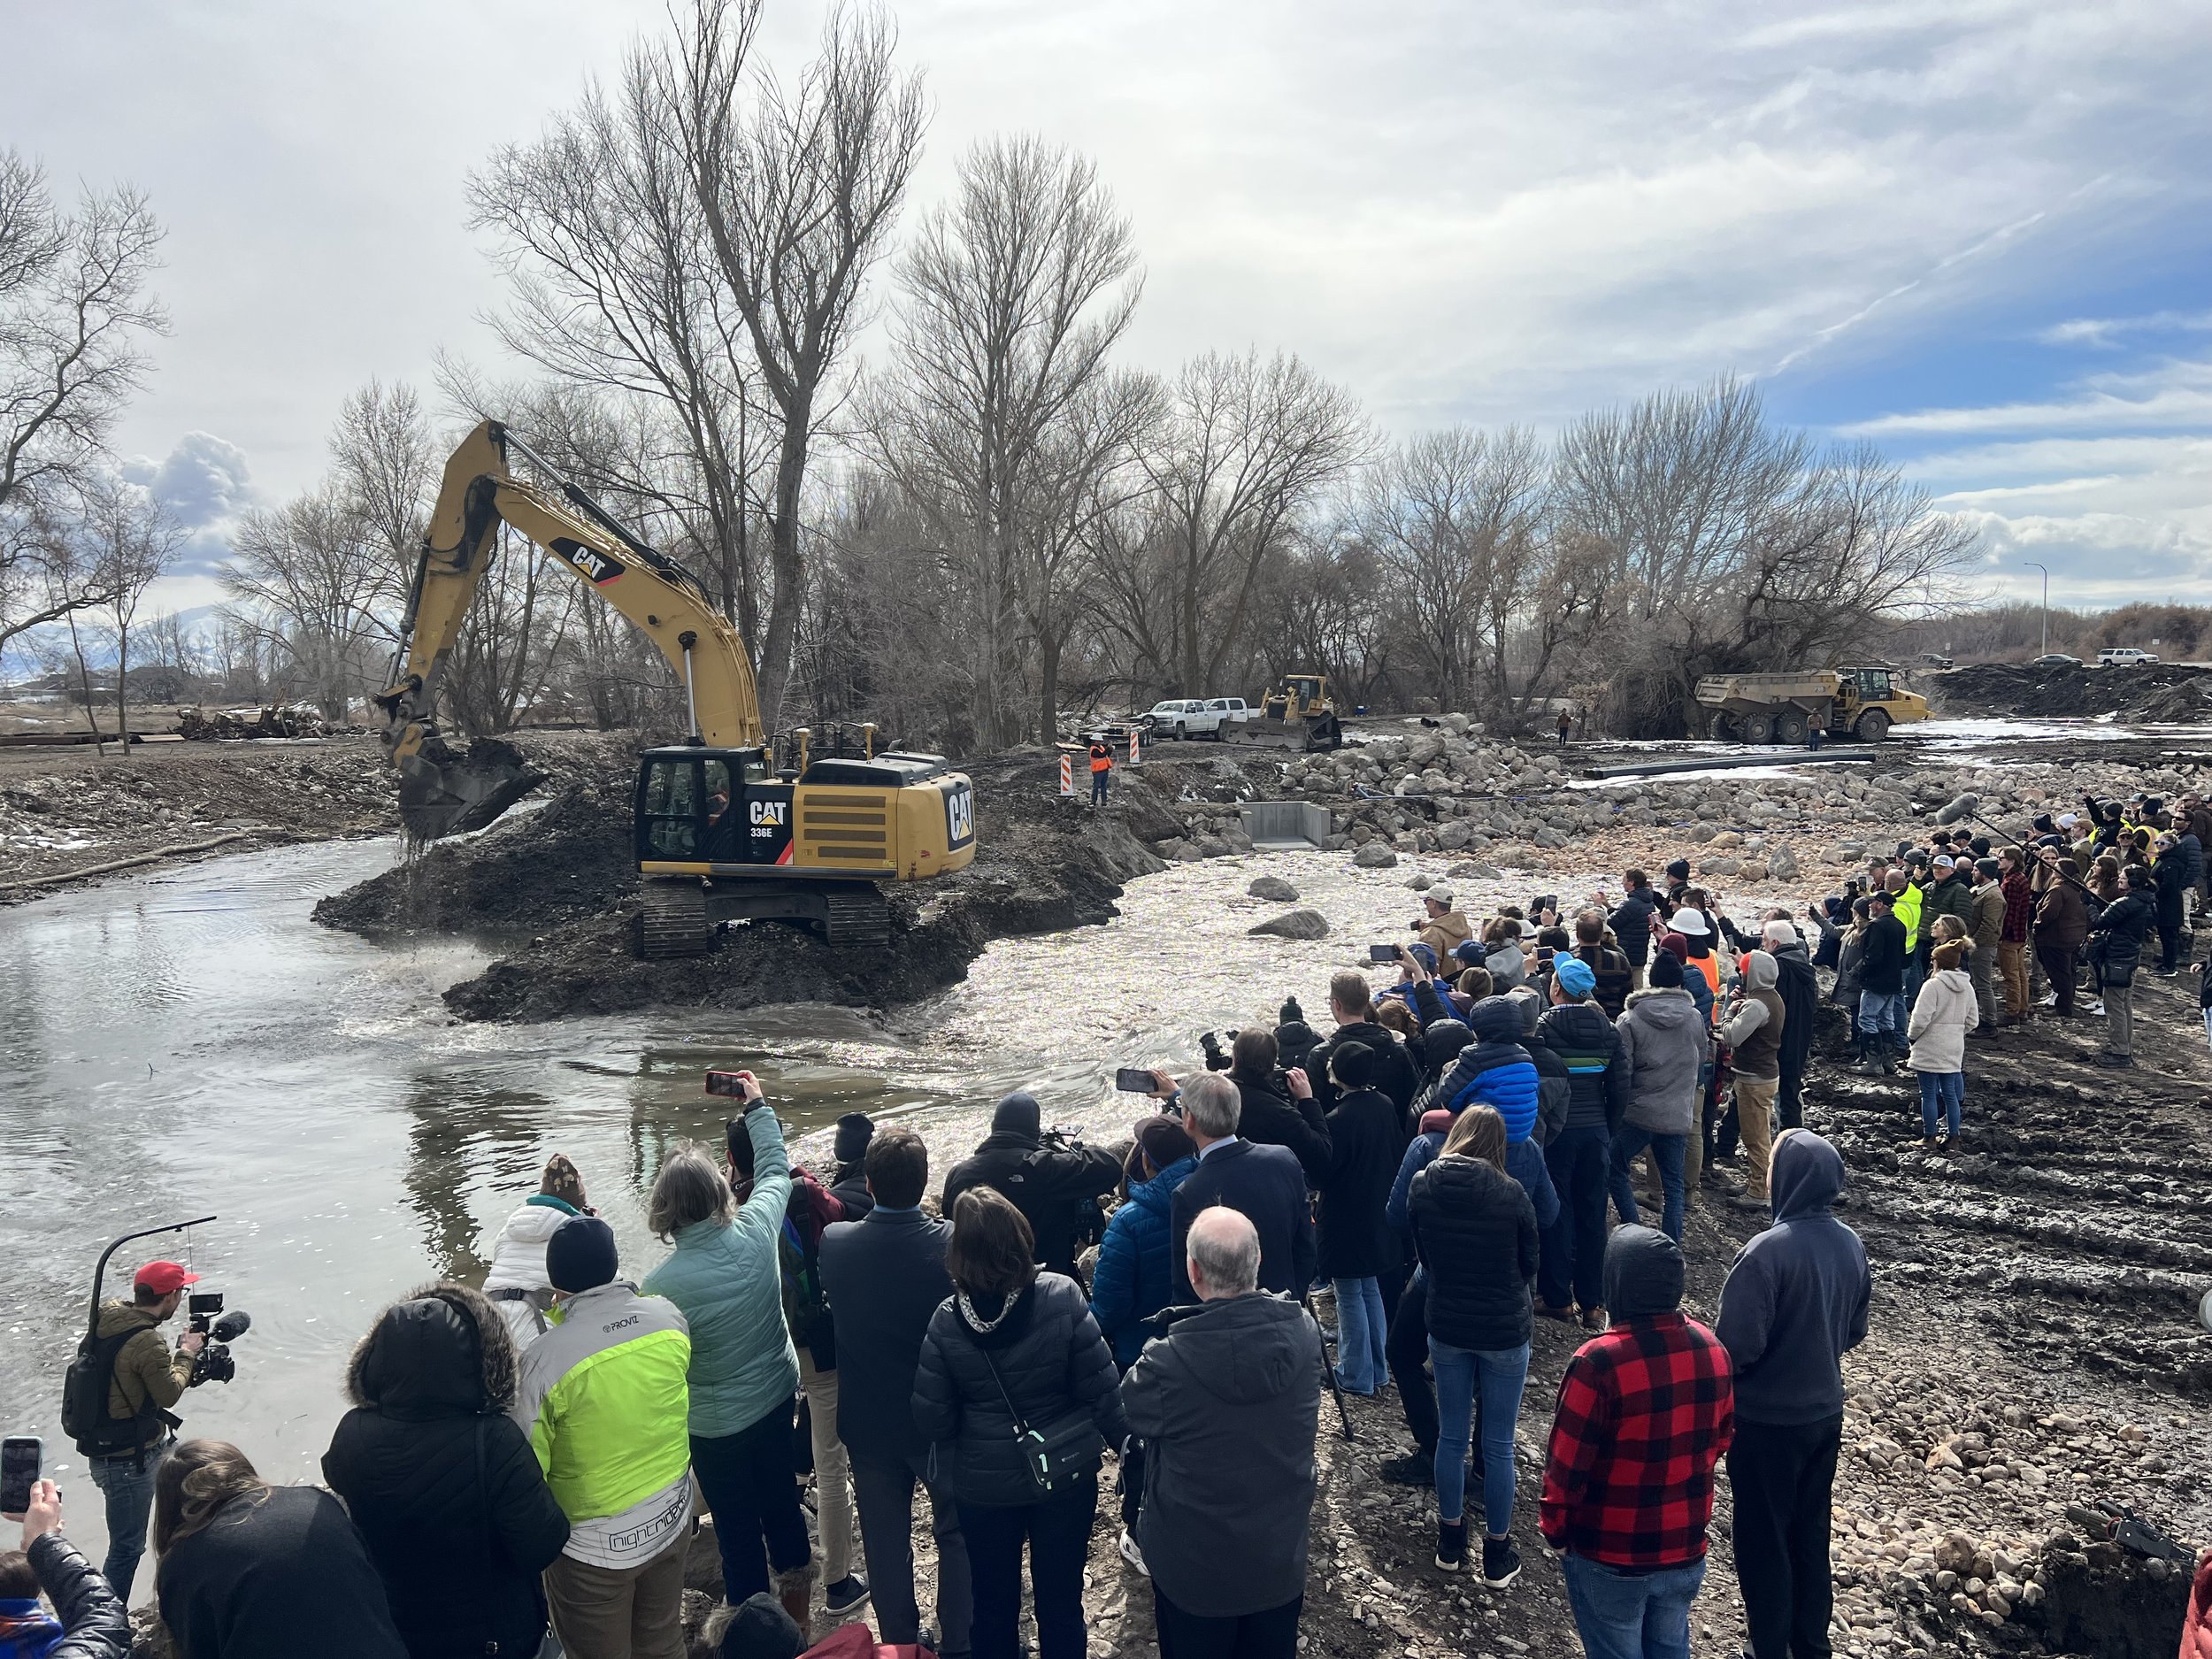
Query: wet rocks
x=1274, y=889
x=1295, y=924
x=1374, y=856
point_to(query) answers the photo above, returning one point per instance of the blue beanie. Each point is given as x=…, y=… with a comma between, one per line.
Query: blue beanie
x=1574, y=975
x=581, y=1256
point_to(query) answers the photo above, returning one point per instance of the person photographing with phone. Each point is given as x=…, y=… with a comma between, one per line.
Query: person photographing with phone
x=145, y=1378
x=89, y=1621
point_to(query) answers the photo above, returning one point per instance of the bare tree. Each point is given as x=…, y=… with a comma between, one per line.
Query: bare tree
x=1014, y=293
x=74, y=311
x=319, y=585
x=1246, y=446
x=134, y=540
x=799, y=190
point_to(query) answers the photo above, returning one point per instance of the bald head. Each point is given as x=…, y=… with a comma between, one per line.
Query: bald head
x=1224, y=1248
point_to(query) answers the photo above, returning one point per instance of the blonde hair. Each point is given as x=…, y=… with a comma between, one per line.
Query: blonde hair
x=688, y=1190
x=1478, y=1132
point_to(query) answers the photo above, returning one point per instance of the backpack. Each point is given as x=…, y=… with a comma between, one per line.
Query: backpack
x=84, y=1401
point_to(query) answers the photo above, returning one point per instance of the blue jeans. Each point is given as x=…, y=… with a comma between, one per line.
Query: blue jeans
x=1667, y=1151
x=130, y=1491
x=1942, y=1095
x=1632, y=1616
x=1501, y=1372
x=1361, y=1328
x=1882, y=1011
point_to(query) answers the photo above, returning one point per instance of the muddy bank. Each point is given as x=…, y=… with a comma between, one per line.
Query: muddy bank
x=2162, y=692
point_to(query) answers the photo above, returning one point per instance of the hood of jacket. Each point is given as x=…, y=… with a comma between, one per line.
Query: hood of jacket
x=1437, y=1121
x=1155, y=1194
x=1495, y=1019
x=1761, y=972
x=1805, y=1176
x=1666, y=1007
x=1643, y=1273
x=1244, y=1349
x=537, y=1220
x=430, y=1356
x=1954, y=980
x=1441, y=1042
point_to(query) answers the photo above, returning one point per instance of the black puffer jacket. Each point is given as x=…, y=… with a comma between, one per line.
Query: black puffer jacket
x=2116, y=938
x=1476, y=1232
x=1631, y=922
x=1368, y=1142
x=99, y=1626
x=1052, y=1362
x=1581, y=1036
x=444, y=1486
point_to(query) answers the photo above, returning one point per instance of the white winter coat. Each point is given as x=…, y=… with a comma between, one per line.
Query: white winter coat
x=518, y=1263
x=1945, y=1013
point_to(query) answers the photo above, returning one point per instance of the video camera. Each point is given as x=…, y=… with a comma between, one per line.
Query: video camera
x=213, y=1363
x=1218, y=1058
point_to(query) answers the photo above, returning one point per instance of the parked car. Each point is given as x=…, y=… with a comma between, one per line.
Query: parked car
x=2124, y=656
x=1183, y=717
x=1231, y=709
x=2055, y=659
x=1932, y=660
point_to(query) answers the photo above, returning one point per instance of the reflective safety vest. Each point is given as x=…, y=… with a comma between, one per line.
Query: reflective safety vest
x=1101, y=759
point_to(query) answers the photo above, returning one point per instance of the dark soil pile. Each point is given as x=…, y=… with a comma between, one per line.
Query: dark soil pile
x=2163, y=691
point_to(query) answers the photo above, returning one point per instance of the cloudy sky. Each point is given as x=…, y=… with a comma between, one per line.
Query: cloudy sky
x=1974, y=231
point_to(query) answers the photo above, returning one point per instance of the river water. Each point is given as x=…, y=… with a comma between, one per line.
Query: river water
x=190, y=1043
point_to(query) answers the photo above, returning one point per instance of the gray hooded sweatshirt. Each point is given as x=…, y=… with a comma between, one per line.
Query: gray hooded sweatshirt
x=1663, y=1047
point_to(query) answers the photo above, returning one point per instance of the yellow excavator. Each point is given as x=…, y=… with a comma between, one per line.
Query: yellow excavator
x=729, y=826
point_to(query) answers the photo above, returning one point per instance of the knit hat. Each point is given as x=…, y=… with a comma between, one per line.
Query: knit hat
x=1164, y=1141
x=1353, y=1064
x=760, y=1628
x=1947, y=954
x=1679, y=869
x=1574, y=975
x=1017, y=1113
x=1675, y=945
x=1290, y=1013
x=1666, y=972
x=1985, y=868
x=581, y=1256
x=855, y=1130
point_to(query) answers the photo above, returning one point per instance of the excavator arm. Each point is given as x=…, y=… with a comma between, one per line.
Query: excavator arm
x=443, y=791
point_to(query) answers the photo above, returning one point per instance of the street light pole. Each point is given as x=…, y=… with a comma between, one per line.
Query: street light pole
x=2032, y=565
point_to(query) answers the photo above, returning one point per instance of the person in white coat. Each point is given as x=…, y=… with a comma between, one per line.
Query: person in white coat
x=517, y=1284
x=1945, y=1011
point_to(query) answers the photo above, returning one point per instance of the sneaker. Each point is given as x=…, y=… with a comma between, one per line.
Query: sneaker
x=1451, y=1545
x=1131, y=1554
x=1415, y=1468
x=848, y=1593
x=1501, y=1563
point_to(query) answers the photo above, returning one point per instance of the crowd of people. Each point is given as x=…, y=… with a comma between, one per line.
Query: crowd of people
x=1513, y=1128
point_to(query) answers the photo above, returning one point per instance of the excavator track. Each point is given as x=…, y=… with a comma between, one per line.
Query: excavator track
x=674, y=921
x=858, y=916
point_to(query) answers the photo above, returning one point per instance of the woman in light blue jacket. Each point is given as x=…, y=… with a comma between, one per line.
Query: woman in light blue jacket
x=726, y=1280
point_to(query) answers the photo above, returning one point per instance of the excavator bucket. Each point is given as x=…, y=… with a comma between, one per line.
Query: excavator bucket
x=441, y=793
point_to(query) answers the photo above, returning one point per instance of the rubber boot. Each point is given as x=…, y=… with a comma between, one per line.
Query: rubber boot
x=1865, y=1064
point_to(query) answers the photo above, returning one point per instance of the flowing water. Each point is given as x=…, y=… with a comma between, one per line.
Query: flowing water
x=190, y=1043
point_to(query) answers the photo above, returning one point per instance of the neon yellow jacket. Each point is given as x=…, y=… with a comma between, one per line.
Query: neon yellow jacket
x=1907, y=910
x=604, y=1399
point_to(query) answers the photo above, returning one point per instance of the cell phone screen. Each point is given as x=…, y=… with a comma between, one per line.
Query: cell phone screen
x=731, y=1084
x=1132, y=1080
x=19, y=1459
x=1381, y=953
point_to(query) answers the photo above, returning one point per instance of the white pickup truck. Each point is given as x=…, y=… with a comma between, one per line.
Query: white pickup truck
x=1194, y=716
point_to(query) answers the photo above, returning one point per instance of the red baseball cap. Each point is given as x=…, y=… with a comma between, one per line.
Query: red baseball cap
x=164, y=1278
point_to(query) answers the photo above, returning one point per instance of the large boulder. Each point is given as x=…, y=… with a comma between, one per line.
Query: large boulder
x=1782, y=863
x=1274, y=889
x=1375, y=855
x=1295, y=924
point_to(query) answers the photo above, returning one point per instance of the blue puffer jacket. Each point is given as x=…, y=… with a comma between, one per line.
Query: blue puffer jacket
x=1497, y=1070
x=1134, y=1277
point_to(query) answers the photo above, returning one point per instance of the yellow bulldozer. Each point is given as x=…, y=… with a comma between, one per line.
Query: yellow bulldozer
x=1298, y=713
x=729, y=826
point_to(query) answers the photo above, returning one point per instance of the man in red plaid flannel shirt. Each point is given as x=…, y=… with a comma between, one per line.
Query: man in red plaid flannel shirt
x=1645, y=1412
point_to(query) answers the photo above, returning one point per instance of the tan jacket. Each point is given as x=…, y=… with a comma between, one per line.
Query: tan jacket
x=1445, y=934
x=1986, y=924
x=144, y=1369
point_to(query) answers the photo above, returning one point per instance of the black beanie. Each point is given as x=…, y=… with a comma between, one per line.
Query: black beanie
x=581, y=1256
x=1666, y=972
x=855, y=1130
x=760, y=1628
x=1353, y=1064
x=1679, y=869
x=1290, y=1013
x=1016, y=1112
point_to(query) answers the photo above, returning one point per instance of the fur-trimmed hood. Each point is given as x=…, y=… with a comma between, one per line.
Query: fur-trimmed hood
x=444, y=1350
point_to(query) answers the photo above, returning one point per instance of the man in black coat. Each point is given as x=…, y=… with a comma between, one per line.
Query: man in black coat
x=1264, y=1183
x=1799, y=989
x=1273, y=1114
x=1630, y=921
x=1228, y=1402
x=1057, y=1188
x=848, y=1181
x=885, y=1276
x=1353, y=1005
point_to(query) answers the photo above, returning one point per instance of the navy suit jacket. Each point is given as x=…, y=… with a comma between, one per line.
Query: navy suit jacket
x=1265, y=1183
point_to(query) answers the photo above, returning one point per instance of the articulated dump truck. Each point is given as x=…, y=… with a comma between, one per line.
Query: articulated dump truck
x=1861, y=704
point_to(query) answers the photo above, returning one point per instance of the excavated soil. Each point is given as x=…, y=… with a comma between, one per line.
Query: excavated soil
x=2161, y=692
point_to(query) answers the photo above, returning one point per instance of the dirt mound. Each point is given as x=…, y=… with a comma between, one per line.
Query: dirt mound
x=2163, y=691
x=565, y=861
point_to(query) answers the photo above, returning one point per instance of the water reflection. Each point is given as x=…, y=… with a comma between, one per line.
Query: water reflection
x=469, y=1134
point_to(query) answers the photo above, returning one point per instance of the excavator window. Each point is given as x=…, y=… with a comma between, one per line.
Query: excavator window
x=672, y=801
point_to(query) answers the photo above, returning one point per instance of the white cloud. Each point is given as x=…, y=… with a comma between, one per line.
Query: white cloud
x=2176, y=393
x=2109, y=331
x=204, y=483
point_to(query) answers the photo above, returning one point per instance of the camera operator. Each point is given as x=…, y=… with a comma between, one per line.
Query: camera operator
x=1056, y=1188
x=144, y=1381
x=1277, y=1105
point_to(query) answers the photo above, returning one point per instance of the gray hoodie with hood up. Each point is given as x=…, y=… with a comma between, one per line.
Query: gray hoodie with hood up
x=1663, y=1047
x=1795, y=1299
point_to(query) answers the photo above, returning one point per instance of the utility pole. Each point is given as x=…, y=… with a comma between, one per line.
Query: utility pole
x=2032, y=565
